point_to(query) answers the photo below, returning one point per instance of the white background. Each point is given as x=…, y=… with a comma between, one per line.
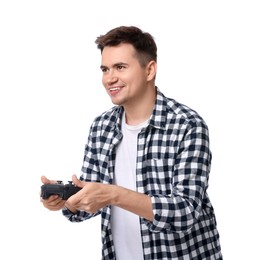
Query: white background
x=214, y=56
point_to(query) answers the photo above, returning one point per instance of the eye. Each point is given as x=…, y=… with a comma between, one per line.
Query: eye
x=120, y=67
x=104, y=69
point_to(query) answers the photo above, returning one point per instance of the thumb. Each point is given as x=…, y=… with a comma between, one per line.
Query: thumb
x=45, y=180
x=77, y=182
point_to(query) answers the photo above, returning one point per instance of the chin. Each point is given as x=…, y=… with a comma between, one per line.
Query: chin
x=117, y=101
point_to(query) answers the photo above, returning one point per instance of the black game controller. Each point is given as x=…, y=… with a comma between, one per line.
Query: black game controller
x=63, y=190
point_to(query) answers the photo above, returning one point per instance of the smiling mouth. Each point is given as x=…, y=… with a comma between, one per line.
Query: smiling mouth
x=114, y=90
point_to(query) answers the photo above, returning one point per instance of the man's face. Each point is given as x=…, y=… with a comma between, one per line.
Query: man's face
x=123, y=77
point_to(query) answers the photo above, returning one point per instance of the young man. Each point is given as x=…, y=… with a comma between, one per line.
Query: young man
x=146, y=165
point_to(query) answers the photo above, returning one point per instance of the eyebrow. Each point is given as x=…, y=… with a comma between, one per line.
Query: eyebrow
x=114, y=65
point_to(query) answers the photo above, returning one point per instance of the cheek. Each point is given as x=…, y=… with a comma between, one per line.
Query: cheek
x=103, y=80
x=138, y=81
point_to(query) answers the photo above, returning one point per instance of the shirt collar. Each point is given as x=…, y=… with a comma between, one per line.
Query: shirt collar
x=158, y=116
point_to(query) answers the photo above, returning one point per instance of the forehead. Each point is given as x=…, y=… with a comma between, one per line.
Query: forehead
x=121, y=53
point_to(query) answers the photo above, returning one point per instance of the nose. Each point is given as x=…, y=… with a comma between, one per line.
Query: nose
x=110, y=78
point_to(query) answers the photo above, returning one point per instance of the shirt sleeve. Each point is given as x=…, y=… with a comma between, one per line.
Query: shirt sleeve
x=79, y=216
x=179, y=211
x=89, y=173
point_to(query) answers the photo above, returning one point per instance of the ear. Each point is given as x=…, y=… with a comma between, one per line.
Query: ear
x=151, y=70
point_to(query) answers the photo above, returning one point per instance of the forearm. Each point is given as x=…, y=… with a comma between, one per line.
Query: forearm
x=94, y=196
x=135, y=202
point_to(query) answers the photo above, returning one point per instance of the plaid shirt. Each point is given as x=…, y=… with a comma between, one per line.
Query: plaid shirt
x=173, y=165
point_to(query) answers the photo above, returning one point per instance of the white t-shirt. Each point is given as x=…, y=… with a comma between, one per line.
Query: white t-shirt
x=126, y=225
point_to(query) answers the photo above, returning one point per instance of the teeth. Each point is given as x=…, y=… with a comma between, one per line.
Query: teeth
x=112, y=89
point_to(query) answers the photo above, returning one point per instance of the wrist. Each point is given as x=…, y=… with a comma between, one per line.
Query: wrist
x=116, y=194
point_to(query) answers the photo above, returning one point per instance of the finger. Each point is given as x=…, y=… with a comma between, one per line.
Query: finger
x=70, y=206
x=56, y=205
x=49, y=199
x=77, y=182
x=53, y=200
x=44, y=179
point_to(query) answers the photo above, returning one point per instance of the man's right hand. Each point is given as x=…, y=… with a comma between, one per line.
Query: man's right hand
x=54, y=202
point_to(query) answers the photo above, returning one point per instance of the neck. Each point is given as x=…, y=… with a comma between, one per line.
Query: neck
x=142, y=109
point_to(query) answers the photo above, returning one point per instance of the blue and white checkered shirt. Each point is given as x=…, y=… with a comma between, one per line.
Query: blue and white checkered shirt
x=173, y=166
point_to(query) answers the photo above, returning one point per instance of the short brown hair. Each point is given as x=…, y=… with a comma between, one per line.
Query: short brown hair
x=143, y=42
